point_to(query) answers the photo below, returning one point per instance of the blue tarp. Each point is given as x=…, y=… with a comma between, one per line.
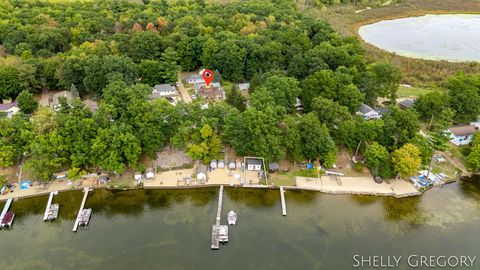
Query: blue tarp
x=25, y=185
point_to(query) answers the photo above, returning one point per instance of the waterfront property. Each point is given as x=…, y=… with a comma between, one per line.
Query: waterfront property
x=461, y=134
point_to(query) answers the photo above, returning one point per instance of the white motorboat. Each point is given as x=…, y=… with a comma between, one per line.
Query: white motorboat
x=223, y=233
x=232, y=218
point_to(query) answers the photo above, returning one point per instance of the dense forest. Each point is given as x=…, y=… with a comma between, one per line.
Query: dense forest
x=115, y=51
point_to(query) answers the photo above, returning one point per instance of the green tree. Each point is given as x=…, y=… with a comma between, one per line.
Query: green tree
x=315, y=140
x=26, y=102
x=432, y=104
x=10, y=82
x=440, y=135
x=235, y=98
x=206, y=145
x=151, y=72
x=378, y=160
x=380, y=80
x=169, y=65
x=464, y=91
x=284, y=91
x=406, y=160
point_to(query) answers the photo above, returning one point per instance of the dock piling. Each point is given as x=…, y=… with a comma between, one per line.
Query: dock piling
x=282, y=198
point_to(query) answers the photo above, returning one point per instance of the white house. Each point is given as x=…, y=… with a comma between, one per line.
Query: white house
x=163, y=90
x=9, y=109
x=368, y=112
x=197, y=78
x=462, y=134
x=254, y=164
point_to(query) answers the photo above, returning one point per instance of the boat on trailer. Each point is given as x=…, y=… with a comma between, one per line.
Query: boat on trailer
x=7, y=220
x=232, y=218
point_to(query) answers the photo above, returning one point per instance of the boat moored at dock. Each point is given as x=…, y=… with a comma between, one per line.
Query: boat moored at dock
x=232, y=218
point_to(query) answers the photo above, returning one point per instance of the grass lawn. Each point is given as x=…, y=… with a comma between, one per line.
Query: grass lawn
x=404, y=91
x=282, y=179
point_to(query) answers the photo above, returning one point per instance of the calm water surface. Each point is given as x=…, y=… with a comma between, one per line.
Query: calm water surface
x=171, y=229
x=432, y=37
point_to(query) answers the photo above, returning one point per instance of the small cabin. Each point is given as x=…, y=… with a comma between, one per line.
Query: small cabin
x=221, y=164
x=254, y=164
x=232, y=165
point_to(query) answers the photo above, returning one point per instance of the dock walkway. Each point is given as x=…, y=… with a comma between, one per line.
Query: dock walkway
x=79, y=216
x=282, y=198
x=51, y=212
x=5, y=208
x=216, y=227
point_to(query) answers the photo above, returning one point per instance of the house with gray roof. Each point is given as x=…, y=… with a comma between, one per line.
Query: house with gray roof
x=163, y=90
x=367, y=112
x=406, y=104
x=9, y=109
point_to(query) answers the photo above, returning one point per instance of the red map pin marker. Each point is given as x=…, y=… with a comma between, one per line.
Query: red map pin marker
x=207, y=76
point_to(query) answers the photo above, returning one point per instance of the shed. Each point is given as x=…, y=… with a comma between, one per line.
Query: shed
x=149, y=173
x=221, y=164
x=243, y=86
x=213, y=164
x=201, y=172
x=137, y=176
x=254, y=164
x=232, y=165
x=273, y=167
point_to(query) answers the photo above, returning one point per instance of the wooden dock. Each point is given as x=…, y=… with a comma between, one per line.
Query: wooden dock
x=51, y=211
x=216, y=227
x=79, y=216
x=282, y=198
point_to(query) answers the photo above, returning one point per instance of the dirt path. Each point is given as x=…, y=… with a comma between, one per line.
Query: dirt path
x=183, y=92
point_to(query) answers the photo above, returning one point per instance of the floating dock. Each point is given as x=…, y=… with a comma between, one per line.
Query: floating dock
x=81, y=213
x=51, y=212
x=6, y=217
x=216, y=228
x=282, y=198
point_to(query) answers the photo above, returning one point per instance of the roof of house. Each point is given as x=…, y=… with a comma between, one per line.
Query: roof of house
x=8, y=106
x=243, y=86
x=273, y=166
x=463, y=130
x=163, y=88
x=254, y=161
x=407, y=103
x=201, y=169
x=56, y=96
x=195, y=77
x=382, y=110
x=92, y=105
x=364, y=108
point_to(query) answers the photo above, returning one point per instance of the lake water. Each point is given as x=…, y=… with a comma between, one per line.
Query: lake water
x=433, y=37
x=161, y=229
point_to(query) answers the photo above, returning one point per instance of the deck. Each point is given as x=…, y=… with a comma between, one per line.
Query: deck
x=216, y=228
x=282, y=198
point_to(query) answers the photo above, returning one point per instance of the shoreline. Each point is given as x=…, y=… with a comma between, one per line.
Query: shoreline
x=273, y=187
